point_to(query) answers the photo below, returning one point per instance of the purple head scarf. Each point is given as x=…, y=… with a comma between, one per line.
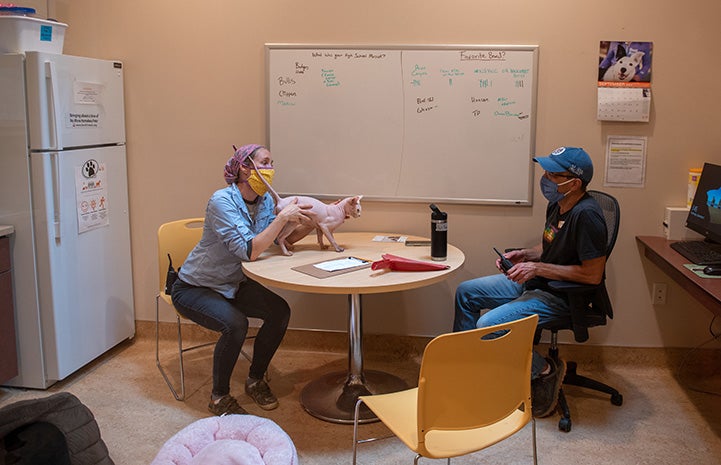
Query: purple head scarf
x=232, y=168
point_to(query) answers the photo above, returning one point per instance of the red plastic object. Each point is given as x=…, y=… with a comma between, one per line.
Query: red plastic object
x=396, y=263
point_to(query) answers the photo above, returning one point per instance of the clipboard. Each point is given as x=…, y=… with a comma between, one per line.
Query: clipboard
x=312, y=270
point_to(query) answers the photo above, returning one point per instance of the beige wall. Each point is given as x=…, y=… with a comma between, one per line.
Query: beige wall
x=40, y=6
x=195, y=85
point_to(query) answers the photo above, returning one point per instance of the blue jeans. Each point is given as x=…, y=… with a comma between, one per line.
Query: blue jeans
x=229, y=317
x=505, y=301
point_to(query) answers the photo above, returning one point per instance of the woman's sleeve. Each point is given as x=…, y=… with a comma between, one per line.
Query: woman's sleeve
x=230, y=225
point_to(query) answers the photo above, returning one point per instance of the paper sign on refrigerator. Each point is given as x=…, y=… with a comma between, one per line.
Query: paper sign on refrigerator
x=92, y=195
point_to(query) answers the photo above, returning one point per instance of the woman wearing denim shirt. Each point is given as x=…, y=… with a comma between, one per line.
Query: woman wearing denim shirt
x=240, y=224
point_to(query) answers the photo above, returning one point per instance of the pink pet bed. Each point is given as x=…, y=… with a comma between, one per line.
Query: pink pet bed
x=229, y=440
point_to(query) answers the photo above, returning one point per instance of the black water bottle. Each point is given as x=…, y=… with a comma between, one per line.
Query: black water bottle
x=439, y=234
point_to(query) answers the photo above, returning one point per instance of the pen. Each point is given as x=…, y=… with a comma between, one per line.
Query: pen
x=417, y=243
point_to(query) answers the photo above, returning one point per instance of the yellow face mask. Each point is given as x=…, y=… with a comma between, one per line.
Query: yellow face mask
x=257, y=184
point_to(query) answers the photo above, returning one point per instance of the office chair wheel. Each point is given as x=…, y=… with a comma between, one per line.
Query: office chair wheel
x=617, y=399
x=564, y=424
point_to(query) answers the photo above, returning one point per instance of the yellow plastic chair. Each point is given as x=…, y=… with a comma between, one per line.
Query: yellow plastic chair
x=177, y=238
x=472, y=393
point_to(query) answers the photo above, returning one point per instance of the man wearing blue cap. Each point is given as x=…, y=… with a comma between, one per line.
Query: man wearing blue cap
x=573, y=248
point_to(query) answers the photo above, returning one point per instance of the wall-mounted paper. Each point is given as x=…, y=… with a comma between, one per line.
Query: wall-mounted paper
x=625, y=161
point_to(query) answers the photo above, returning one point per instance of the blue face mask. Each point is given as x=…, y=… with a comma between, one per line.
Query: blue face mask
x=549, y=189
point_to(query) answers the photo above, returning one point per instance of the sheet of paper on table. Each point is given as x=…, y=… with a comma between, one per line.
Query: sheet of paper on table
x=390, y=238
x=341, y=264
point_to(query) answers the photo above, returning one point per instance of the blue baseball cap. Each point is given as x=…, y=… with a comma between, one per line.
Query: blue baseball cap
x=572, y=159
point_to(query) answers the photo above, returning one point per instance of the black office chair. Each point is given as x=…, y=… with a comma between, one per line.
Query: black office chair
x=590, y=305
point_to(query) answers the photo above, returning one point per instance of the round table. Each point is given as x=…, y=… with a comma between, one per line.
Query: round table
x=333, y=396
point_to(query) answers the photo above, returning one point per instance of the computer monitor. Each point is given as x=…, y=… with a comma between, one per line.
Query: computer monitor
x=704, y=216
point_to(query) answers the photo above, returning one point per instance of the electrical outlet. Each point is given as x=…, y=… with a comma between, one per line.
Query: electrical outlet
x=659, y=293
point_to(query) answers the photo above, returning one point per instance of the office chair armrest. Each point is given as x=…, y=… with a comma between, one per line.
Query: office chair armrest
x=579, y=296
x=572, y=287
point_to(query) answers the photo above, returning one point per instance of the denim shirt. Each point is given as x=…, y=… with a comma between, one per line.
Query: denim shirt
x=216, y=261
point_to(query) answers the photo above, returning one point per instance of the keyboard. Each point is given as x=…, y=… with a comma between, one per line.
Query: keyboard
x=699, y=252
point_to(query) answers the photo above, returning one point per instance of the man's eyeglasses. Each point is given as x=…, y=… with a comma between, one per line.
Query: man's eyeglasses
x=548, y=174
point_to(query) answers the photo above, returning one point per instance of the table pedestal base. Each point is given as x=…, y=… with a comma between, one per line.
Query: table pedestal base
x=332, y=397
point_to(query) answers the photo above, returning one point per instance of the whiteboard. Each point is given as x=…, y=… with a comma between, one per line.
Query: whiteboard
x=451, y=123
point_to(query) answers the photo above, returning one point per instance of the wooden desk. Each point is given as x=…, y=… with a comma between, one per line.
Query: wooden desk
x=333, y=396
x=8, y=348
x=705, y=290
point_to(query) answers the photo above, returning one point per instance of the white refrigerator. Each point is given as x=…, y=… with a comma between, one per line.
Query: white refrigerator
x=63, y=186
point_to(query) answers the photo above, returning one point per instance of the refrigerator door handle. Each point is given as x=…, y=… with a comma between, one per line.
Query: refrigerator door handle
x=53, y=94
x=55, y=190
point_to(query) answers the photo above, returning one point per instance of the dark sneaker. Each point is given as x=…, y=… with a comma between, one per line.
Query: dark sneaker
x=227, y=405
x=545, y=389
x=259, y=391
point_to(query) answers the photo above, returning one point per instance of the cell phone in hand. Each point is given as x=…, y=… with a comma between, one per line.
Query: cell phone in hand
x=506, y=264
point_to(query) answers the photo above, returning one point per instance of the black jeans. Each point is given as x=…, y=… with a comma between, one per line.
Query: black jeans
x=230, y=317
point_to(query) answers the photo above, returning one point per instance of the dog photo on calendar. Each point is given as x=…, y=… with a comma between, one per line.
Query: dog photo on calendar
x=625, y=61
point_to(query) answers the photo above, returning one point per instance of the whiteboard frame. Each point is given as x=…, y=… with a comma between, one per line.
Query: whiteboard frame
x=451, y=200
